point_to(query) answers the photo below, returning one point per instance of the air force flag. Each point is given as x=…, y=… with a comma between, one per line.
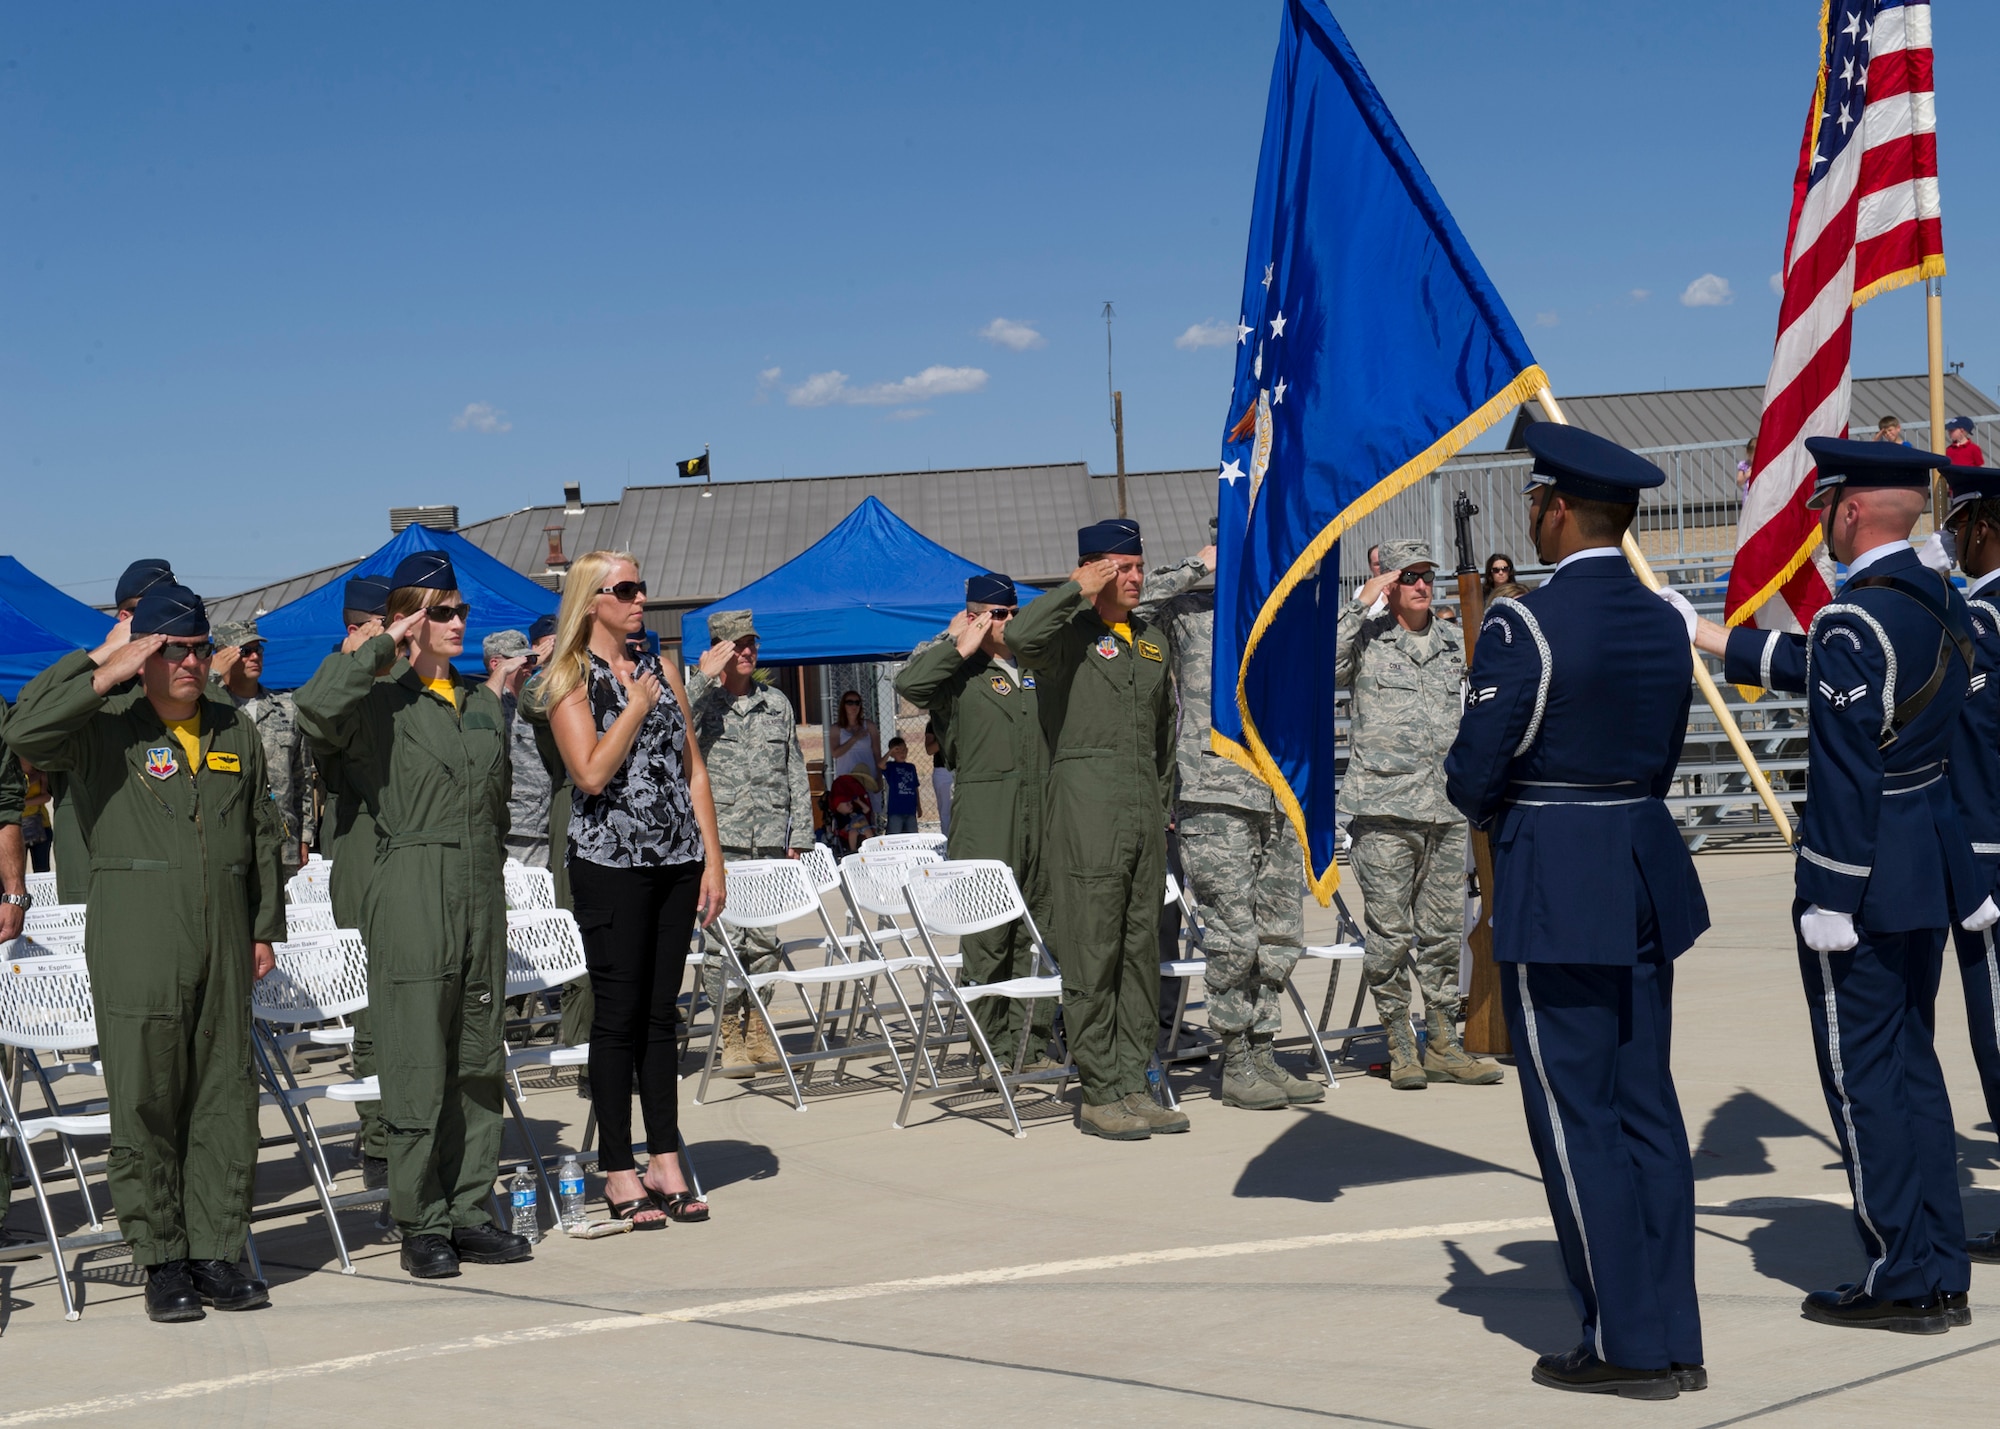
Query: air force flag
x=1370, y=347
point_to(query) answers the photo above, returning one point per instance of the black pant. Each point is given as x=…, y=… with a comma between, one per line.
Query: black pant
x=637, y=923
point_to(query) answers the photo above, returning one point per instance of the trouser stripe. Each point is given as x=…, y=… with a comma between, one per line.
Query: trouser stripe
x=1992, y=984
x=1562, y=1147
x=1832, y=1007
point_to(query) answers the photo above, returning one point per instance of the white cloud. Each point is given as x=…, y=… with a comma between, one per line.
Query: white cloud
x=1708, y=291
x=1639, y=295
x=1546, y=319
x=1008, y=333
x=481, y=417
x=1208, y=334
x=825, y=389
x=1777, y=285
x=766, y=380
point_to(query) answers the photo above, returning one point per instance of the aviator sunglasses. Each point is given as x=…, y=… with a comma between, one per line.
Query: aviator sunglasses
x=445, y=614
x=1416, y=577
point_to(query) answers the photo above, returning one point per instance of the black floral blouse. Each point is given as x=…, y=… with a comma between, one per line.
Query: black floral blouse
x=645, y=817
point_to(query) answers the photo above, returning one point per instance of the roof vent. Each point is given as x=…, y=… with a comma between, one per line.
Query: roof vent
x=437, y=518
x=557, y=560
x=572, y=498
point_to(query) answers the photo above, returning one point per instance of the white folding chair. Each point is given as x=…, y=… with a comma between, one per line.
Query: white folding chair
x=304, y=918
x=905, y=843
x=55, y=920
x=42, y=887
x=312, y=883
x=319, y=978
x=767, y=893
x=822, y=867
x=45, y=1007
x=953, y=899
x=528, y=887
x=872, y=886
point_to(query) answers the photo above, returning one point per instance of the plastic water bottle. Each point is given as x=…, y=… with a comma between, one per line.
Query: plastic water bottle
x=522, y=1190
x=569, y=1191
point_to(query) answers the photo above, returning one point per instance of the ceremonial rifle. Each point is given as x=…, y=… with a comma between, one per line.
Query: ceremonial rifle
x=1485, y=1023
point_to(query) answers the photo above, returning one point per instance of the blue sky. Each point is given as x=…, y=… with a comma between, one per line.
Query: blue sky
x=267, y=271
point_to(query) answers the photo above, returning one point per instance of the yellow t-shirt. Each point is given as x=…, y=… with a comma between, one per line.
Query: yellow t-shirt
x=444, y=689
x=188, y=732
x=1124, y=631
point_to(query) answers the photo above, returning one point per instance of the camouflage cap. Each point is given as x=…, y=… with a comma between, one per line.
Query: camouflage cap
x=504, y=645
x=1402, y=554
x=730, y=625
x=235, y=632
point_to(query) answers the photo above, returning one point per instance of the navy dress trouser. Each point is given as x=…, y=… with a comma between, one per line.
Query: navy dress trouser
x=1979, y=970
x=1594, y=1047
x=1874, y=1025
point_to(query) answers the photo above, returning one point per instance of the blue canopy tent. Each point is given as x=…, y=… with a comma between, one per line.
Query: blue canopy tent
x=39, y=625
x=872, y=588
x=298, y=636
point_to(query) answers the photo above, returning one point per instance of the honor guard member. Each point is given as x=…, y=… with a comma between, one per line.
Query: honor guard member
x=989, y=723
x=1107, y=706
x=424, y=751
x=347, y=841
x=1576, y=708
x=1884, y=868
x=185, y=902
x=237, y=677
x=1239, y=855
x=763, y=805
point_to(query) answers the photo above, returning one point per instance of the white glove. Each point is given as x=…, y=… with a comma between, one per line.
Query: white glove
x=1933, y=554
x=1826, y=932
x=1681, y=608
x=1982, y=917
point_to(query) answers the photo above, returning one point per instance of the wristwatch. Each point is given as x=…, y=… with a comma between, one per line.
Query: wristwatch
x=23, y=901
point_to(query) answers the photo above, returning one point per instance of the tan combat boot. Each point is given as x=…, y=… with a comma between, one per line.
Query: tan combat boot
x=1446, y=1060
x=1406, y=1073
x=1243, y=1082
x=1297, y=1090
x=1160, y=1120
x=736, y=1061
x=1114, y=1121
x=757, y=1040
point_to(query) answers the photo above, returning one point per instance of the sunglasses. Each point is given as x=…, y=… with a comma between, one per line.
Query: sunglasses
x=254, y=647
x=1503, y=569
x=446, y=614
x=1416, y=578
x=627, y=591
x=176, y=654
x=1004, y=612
x=855, y=703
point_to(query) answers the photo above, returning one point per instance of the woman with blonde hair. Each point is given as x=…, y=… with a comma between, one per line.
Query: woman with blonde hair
x=423, y=751
x=644, y=860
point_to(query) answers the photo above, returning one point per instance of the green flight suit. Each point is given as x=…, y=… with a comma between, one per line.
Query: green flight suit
x=990, y=728
x=69, y=838
x=184, y=876
x=347, y=841
x=435, y=919
x=578, y=1005
x=1107, y=708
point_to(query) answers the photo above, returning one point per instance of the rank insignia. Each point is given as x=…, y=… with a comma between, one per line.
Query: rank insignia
x=1108, y=647
x=160, y=762
x=1027, y=682
x=224, y=763
x=1148, y=649
x=1001, y=687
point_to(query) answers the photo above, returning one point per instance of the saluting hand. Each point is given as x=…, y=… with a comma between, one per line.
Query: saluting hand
x=225, y=660
x=1206, y=555
x=973, y=634
x=402, y=630
x=360, y=635
x=124, y=661
x=1372, y=591
x=114, y=639
x=715, y=659
x=1093, y=576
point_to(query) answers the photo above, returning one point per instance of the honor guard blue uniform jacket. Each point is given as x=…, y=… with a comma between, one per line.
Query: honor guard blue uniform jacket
x=1975, y=752
x=1576, y=708
x=1885, y=670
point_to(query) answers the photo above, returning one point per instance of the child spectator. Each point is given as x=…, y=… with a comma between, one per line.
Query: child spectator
x=847, y=812
x=900, y=777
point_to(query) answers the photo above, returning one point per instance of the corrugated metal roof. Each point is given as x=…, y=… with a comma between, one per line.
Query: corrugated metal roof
x=1718, y=414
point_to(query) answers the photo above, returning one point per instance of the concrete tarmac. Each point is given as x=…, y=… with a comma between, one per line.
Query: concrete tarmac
x=1383, y=1258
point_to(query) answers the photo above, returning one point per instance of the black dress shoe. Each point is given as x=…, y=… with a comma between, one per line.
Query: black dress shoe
x=1583, y=1372
x=1985, y=1248
x=223, y=1284
x=170, y=1294
x=1690, y=1377
x=429, y=1257
x=374, y=1173
x=1957, y=1309
x=1850, y=1305
x=489, y=1245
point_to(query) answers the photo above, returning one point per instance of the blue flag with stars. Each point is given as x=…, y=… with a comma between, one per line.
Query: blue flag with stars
x=1371, y=347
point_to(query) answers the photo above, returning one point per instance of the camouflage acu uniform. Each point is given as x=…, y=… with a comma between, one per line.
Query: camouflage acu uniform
x=528, y=809
x=1239, y=853
x=763, y=804
x=1409, y=843
x=285, y=756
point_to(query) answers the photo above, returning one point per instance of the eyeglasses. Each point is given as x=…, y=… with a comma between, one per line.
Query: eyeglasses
x=1415, y=577
x=627, y=591
x=254, y=647
x=446, y=614
x=1501, y=568
x=1004, y=612
x=856, y=702
x=176, y=654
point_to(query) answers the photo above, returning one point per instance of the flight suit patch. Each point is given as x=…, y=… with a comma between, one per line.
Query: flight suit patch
x=1108, y=647
x=1001, y=687
x=1148, y=649
x=1027, y=682
x=160, y=762
x=224, y=763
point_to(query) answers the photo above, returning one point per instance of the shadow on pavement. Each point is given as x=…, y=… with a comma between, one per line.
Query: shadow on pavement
x=1321, y=1155
x=724, y=1163
x=1733, y=1141
x=1529, y=1303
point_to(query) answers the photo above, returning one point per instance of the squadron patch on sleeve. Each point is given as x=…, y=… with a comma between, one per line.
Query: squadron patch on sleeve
x=1000, y=685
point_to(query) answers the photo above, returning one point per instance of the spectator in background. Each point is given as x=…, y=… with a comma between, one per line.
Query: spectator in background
x=1744, y=467
x=941, y=777
x=847, y=813
x=35, y=817
x=509, y=665
x=1374, y=561
x=1890, y=429
x=1960, y=446
x=236, y=676
x=1499, y=571
x=855, y=744
x=899, y=777
x=1513, y=590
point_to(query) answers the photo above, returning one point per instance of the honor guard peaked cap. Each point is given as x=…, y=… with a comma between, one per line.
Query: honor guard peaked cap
x=367, y=594
x=542, y=629
x=989, y=589
x=1401, y=555
x=1972, y=483
x=171, y=610
x=1585, y=465
x=731, y=625
x=142, y=576
x=430, y=570
x=1116, y=537
x=1872, y=466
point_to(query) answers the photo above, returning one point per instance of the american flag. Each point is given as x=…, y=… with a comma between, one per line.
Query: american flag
x=1864, y=220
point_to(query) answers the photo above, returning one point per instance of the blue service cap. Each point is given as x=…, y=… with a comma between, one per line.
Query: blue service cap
x=1972, y=483
x=1875, y=466
x=542, y=629
x=142, y=576
x=989, y=589
x=1585, y=465
x=1116, y=537
x=170, y=610
x=430, y=570
x=367, y=594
